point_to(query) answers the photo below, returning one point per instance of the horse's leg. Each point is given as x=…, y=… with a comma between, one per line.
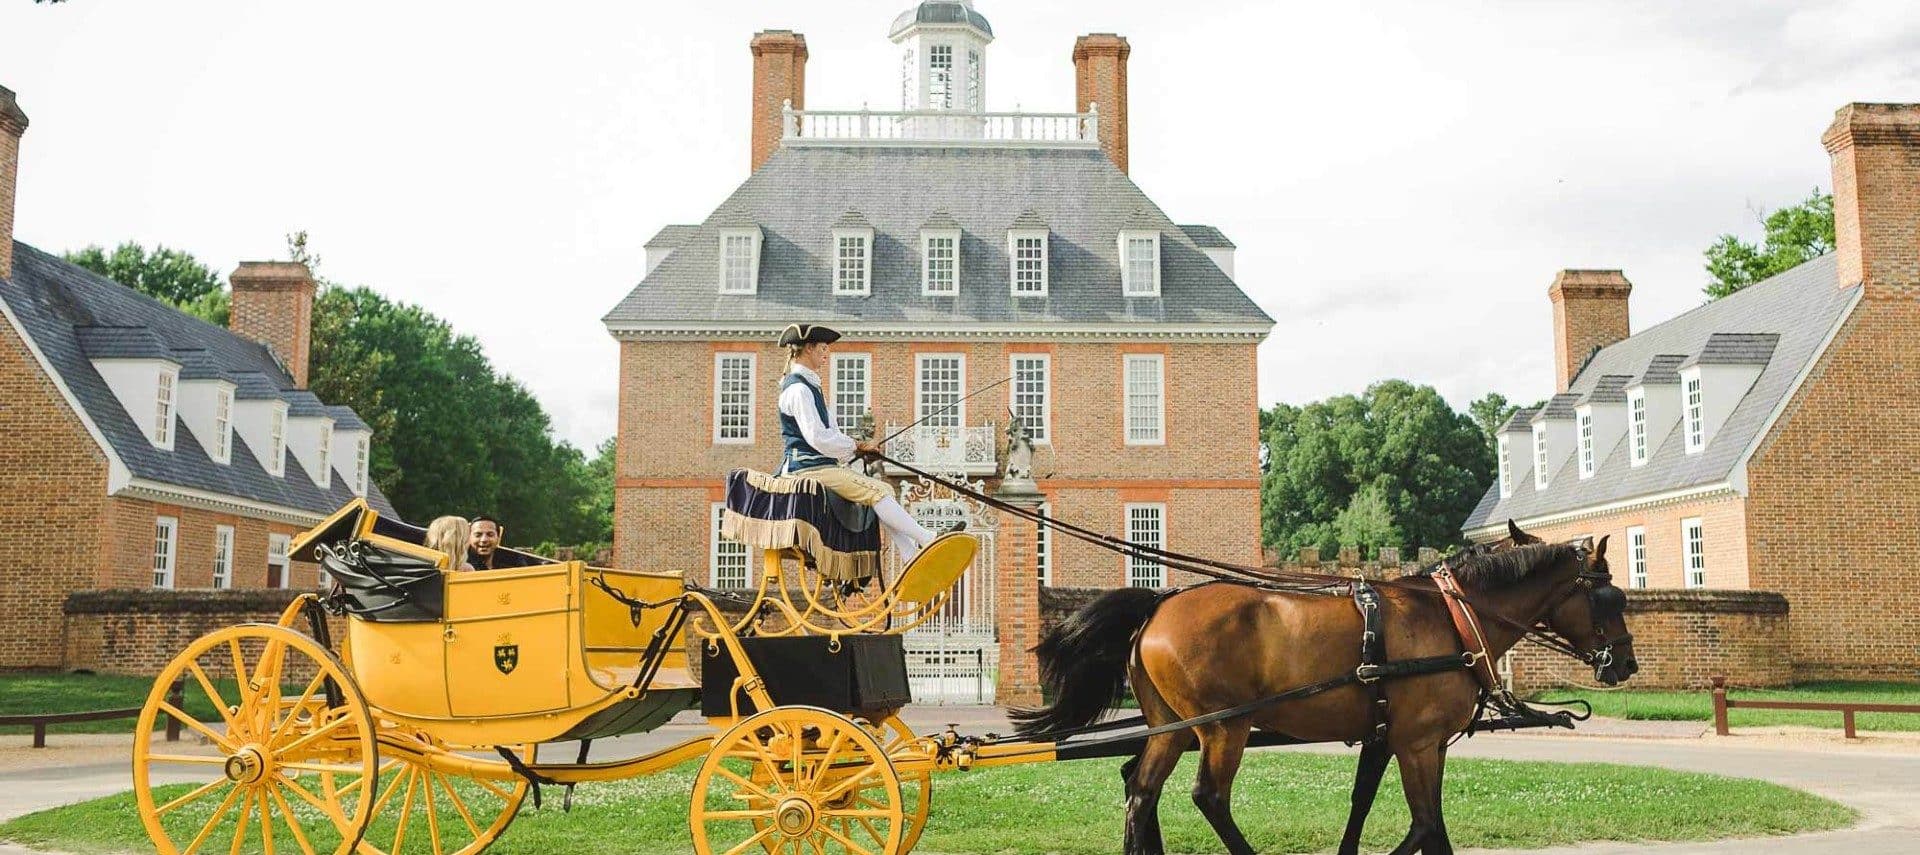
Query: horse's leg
x=1154, y=764
x=1221, y=746
x=1374, y=755
x=1420, y=778
x=1437, y=841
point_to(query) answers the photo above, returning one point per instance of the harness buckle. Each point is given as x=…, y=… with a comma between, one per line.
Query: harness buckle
x=1368, y=674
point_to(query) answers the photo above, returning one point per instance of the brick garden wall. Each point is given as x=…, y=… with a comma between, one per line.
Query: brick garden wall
x=138, y=631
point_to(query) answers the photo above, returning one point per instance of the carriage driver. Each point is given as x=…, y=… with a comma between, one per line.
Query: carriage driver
x=817, y=450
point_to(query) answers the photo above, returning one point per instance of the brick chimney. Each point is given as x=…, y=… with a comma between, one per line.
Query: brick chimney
x=13, y=124
x=779, y=76
x=1876, y=214
x=273, y=305
x=1100, y=77
x=1589, y=312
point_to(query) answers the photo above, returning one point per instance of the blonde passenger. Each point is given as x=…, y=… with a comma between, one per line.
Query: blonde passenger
x=449, y=535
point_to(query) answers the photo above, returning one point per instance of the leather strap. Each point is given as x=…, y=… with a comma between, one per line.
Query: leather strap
x=1373, y=654
x=1467, y=625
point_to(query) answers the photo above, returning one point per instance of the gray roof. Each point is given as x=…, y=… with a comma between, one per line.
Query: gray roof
x=301, y=402
x=852, y=220
x=255, y=386
x=1206, y=237
x=670, y=237
x=1735, y=349
x=1076, y=194
x=1520, y=420
x=344, y=418
x=117, y=342
x=196, y=364
x=940, y=12
x=1799, y=307
x=1558, y=407
x=1663, y=370
x=1611, y=389
x=55, y=301
x=940, y=220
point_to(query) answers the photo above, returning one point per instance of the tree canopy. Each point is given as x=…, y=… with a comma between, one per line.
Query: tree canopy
x=1794, y=235
x=168, y=275
x=1394, y=466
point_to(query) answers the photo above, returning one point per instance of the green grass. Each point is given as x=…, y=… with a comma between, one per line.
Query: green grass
x=32, y=694
x=1286, y=802
x=1698, y=706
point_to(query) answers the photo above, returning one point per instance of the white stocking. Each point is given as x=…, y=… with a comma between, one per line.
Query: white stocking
x=908, y=534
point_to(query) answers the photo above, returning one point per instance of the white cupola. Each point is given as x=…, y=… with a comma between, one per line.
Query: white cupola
x=944, y=66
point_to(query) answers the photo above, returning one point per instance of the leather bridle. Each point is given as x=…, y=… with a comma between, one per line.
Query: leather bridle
x=1603, y=601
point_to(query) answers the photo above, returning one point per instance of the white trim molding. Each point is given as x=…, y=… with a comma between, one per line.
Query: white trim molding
x=753, y=234
x=918, y=331
x=1014, y=237
x=173, y=494
x=1716, y=490
x=927, y=237
x=862, y=238
x=118, y=475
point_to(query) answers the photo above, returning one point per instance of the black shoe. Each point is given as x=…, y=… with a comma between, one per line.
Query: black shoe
x=959, y=526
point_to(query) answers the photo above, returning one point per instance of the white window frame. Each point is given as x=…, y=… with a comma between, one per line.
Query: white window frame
x=934, y=74
x=921, y=411
x=363, y=452
x=1138, y=568
x=278, y=547
x=1128, y=425
x=1636, y=556
x=325, y=476
x=1506, y=466
x=852, y=280
x=1042, y=548
x=845, y=416
x=166, y=550
x=1583, y=422
x=1014, y=237
x=1130, y=284
x=1044, y=434
x=720, y=361
x=222, y=557
x=927, y=238
x=721, y=547
x=277, y=440
x=166, y=400
x=1637, y=427
x=1693, y=552
x=222, y=451
x=1539, y=455
x=1693, y=407
x=753, y=237
x=975, y=81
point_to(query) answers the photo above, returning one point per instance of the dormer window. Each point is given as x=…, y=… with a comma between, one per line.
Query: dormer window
x=1028, y=249
x=853, y=261
x=1506, y=468
x=325, y=475
x=940, y=262
x=163, y=410
x=1637, y=426
x=1540, y=456
x=1586, y=442
x=276, y=461
x=1695, y=416
x=1140, y=263
x=222, y=425
x=739, y=260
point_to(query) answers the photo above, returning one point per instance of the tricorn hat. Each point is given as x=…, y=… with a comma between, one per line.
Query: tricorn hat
x=807, y=334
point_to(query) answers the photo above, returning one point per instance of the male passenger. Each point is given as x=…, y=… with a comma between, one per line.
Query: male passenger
x=483, y=547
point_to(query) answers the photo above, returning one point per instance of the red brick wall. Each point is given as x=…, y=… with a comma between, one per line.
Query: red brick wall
x=138, y=631
x=1100, y=77
x=128, y=524
x=779, y=74
x=1723, y=522
x=1680, y=639
x=273, y=304
x=1589, y=311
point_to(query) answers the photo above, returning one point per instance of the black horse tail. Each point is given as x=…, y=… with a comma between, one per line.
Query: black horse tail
x=1083, y=662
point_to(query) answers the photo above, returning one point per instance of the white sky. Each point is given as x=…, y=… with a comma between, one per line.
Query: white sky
x=1402, y=178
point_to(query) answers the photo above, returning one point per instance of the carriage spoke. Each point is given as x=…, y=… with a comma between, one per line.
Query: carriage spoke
x=266, y=822
x=433, y=819
x=380, y=804
x=219, y=740
x=293, y=825
x=406, y=811
x=240, y=828
x=817, y=848
x=213, y=694
x=219, y=813
x=756, y=838
x=329, y=811
x=744, y=783
x=194, y=796
x=293, y=713
x=767, y=760
x=871, y=770
x=505, y=795
x=844, y=840
x=194, y=759
x=459, y=805
x=826, y=762
x=336, y=768
x=314, y=735
x=878, y=838
x=877, y=814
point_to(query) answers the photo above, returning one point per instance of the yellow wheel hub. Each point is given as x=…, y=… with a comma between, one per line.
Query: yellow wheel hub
x=794, y=816
x=248, y=765
x=799, y=780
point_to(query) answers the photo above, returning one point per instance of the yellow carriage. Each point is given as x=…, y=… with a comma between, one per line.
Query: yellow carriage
x=421, y=730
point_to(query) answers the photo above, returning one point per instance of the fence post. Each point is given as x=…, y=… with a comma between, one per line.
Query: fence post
x=176, y=695
x=39, y=734
x=1846, y=719
x=1720, y=706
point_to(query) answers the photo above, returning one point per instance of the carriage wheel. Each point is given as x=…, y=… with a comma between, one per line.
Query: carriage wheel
x=916, y=788
x=798, y=780
x=428, y=807
x=276, y=736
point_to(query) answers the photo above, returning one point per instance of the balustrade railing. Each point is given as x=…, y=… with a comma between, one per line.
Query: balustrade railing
x=906, y=127
x=969, y=450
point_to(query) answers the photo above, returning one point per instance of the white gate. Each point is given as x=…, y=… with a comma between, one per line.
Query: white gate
x=954, y=658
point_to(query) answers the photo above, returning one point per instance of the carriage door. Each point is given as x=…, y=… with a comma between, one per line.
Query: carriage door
x=954, y=657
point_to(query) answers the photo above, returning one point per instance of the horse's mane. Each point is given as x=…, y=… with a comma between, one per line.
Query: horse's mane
x=1476, y=566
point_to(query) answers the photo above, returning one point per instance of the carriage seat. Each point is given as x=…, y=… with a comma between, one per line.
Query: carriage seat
x=840, y=539
x=384, y=585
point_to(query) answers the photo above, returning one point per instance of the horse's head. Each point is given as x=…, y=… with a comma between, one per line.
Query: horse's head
x=1595, y=624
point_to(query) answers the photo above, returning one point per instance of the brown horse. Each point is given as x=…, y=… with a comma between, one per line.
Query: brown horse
x=1218, y=646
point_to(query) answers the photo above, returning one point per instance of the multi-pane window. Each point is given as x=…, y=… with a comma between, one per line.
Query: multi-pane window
x=166, y=550
x=973, y=81
x=1145, y=401
x=1146, y=526
x=850, y=373
x=733, y=397
x=1042, y=552
x=223, y=556
x=360, y=466
x=1030, y=393
x=1586, y=444
x=325, y=475
x=728, y=567
x=1693, y=536
x=1030, y=265
x=1637, y=425
x=1696, y=427
x=940, y=77
x=163, y=411
x=279, y=566
x=1540, y=457
x=1506, y=468
x=942, y=377
x=736, y=264
x=222, y=425
x=1143, y=267
x=850, y=264
x=1636, y=557
x=942, y=273
x=276, y=441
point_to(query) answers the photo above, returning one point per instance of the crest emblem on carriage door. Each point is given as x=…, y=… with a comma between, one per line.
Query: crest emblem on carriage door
x=506, y=657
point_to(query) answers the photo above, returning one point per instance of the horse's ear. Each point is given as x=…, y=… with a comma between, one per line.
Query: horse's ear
x=1600, y=549
x=1520, y=538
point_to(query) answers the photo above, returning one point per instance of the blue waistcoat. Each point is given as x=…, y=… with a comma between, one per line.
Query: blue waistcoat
x=798, y=455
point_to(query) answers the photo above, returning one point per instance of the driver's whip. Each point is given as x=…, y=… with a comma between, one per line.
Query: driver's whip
x=963, y=399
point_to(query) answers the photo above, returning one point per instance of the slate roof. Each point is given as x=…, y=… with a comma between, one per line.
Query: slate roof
x=1520, y=420
x=1077, y=194
x=64, y=308
x=1735, y=349
x=1795, y=310
x=1611, y=389
x=1206, y=237
x=670, y=237
x=940, y=12
x=1663, y=370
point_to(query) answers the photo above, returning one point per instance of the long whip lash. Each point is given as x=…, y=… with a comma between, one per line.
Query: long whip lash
x=963, y=399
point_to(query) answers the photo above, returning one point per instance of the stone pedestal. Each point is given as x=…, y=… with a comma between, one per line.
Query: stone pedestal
x=1017, y=598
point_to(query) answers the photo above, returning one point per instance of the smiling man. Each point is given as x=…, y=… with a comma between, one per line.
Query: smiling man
x=483, y=546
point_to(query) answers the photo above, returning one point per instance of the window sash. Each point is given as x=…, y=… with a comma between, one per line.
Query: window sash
x=850, y=270
x=973, y=81
x=1637, y=407
x=222, y=556
x=1031, y=394
x=728, y=563
x=733, y=397
x=1506, y=466
x=1042, y=551
x=325, y=475
x=277, y=441
x=166, y=550
x=360, y=455
x=1146, y=525
x=1540, y=457
x=940, y=383
x=1141, y=269
x=737, y=252
x=940, y=77
x=1636, y=557
x=277, y=545
x=1693, y=535
x=1030, y=265
x=1145, y=400
x=1586, y=446
x=850, y=376
x=163, y=410
x=941, y=275
x=222, y=425
x=1696, y=430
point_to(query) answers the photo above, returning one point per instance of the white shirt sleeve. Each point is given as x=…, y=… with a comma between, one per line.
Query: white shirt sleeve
x=797, y=401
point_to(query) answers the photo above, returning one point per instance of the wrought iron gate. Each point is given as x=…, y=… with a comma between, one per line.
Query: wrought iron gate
x=954, y=658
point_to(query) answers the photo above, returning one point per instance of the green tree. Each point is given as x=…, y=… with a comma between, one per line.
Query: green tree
x=1427, y=462
x=1794, y=235
x=1367, y=521
x=1490, y=413
x=167, y=275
